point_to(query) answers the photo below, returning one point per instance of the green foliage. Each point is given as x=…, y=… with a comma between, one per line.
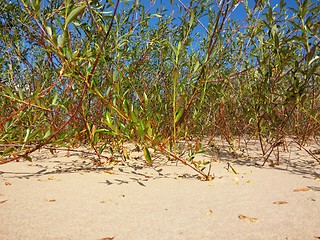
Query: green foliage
x=92, y=72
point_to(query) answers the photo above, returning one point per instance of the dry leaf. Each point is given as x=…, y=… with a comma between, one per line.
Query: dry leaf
x=210, y=212
x=51, y=178
x=280, y=202
x=302, y=190
x=50, y=200
x=3, y=201
x=317, y=178
x=231, y=169
x=125, y=153
x=109, y=172
x=250, y=219
x=106, y=238
x=7, y=183
x=249, y=181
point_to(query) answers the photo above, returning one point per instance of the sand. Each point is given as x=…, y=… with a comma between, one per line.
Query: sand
x=60, y=197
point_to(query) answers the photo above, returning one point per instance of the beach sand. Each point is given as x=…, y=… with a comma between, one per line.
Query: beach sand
x=68, y=197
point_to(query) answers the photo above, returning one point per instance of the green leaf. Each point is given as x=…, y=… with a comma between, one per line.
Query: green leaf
x=7, y=150
x=60, y=40
x=178, y=115
x=102, y=130
x=54, y=101
x=276, y=40
x=48, y=134
x=149, y=131
x=310, y=55
x=34, y=134
x=175, y=76
x=9, y=92
x=73, y=15
x=49, y=31
x=191, y=18
x=269, y=14
x=196, y=67
x=26, y=157
x=27, y=135
x=145, y=98
x=147, y=156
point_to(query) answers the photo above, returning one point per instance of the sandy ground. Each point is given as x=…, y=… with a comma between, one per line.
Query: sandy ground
x=59, y=197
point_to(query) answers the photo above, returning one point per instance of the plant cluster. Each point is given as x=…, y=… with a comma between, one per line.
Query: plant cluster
x=103, y=72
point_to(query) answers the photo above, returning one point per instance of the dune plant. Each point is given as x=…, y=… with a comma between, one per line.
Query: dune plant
x=100, y=72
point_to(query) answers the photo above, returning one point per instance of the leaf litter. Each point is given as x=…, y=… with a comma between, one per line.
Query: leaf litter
x=280, y=202
x=306, y=189
x=246, y=218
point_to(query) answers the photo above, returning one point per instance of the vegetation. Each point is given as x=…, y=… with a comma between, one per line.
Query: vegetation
x=106, y=72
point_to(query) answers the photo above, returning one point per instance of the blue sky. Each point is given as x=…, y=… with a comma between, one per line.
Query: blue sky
x=239, y=12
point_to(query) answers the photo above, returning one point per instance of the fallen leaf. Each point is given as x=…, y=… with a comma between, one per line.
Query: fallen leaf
x=109, y=172
x=210, y=212
x=249, y=181
x=147, y=156
x=106, y=238
x=250, y=219
x=280, y=202
x=301, y=190
x=51, y=178
x=7, y=183
x=317, y=178
x=231, y=169
x=50, y=200
x=3, y=201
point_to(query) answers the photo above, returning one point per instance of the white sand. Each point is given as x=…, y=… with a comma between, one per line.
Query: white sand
x=52, y=198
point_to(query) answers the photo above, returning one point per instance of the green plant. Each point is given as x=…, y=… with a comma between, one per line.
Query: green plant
x=100, y=73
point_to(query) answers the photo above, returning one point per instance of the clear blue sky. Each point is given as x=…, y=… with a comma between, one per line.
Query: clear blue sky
x=238, y=14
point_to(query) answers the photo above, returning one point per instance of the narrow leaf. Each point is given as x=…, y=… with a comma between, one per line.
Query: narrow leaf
x=302, y=190
x=178, y=115
x=250, y=219
x=73, y=15
x=175, y=76
x=48, y=134
x=27, y=135
x=49, y=31
x=54, y=101
x=280, y=202
x=60, y=40
x=147, y=156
